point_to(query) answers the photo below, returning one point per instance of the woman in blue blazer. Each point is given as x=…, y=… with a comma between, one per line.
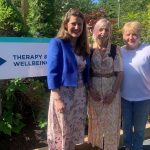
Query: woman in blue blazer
x=68, y=72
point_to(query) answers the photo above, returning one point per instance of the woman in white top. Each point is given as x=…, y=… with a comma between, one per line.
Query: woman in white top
x=135, y=87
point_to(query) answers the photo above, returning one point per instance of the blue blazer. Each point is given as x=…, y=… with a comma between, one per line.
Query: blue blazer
x=62, y=65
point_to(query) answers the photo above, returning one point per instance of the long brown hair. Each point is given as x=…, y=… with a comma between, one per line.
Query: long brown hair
x=82, y=46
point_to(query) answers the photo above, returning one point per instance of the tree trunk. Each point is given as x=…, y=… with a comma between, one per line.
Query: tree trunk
x=24, y=8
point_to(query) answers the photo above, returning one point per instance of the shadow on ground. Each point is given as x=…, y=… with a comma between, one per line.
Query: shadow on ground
x=86, y=146
x=146, y=147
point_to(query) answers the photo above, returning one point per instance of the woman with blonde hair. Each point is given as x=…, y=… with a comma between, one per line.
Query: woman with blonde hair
x=68, y=72
x=104, y=90
x=135, y=89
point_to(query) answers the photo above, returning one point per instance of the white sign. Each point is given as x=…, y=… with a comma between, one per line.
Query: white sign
x=23, y=57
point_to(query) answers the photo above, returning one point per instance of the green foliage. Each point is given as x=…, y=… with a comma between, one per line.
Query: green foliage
x=61, y=7
x=38, y=99
x=42, y=123
x=17, y=3
x=11, y=22
x=42, y=119
x=40, y=18
x=110, y=7
x=83, y=5
x=18, y=95
x=130, y=10
x=117, y=36
x=45, y=20
x=11, y=121
x=133, y=5
x=35, y=95
x=143, y=18
x=10, y=98
x=149, y=117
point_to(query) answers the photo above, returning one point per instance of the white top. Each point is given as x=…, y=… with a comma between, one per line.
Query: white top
x=136, y=66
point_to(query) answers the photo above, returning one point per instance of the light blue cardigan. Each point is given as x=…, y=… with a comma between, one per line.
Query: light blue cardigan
x=62, y=65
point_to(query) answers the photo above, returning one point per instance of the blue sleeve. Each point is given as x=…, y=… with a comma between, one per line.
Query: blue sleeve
x=54, y=60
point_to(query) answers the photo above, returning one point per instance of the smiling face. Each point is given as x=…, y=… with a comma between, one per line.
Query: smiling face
x=103, y=32
x=74, y=27
x=131, y=34
x=131, y=39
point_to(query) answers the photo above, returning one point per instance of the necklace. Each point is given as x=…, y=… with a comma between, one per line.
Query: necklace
x=102, y=50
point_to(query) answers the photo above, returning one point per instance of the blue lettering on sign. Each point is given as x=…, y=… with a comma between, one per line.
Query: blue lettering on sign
x=2, y=61
x=24, y=57
x=30, y=63
x=29, y=60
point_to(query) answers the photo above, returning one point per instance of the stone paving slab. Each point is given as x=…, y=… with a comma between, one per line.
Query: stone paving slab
x=44, y=148
x=146, y=142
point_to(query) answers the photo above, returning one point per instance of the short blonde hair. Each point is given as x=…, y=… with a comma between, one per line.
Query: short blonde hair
x=133, y=27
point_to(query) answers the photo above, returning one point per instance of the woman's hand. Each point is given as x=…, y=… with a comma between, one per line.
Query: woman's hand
x=94, y=94
x=59, y=105
x=108, y=99
x=58, y=102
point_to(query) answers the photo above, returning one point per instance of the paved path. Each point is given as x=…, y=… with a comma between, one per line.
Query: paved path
x=86, y=146
x=147, y=144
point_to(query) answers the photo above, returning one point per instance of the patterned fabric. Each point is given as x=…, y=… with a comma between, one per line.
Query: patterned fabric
x=67, y=129
x=104, y=119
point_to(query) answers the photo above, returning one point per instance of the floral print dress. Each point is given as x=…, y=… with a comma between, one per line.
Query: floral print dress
x=67, y=129
x=104, y=119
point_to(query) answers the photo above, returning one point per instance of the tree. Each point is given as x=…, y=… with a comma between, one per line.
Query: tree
x=40, y=18
x=83, y=5
x=24, y=8
x=11, y=22
x=61, y=7
x=138, y=10
x=45, y=20
x=129, y=10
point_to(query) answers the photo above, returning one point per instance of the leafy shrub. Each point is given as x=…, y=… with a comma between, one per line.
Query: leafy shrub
x=22, y=99
x=11, y=120
x=37, y=98
x=11, y=22
x=40, y=18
